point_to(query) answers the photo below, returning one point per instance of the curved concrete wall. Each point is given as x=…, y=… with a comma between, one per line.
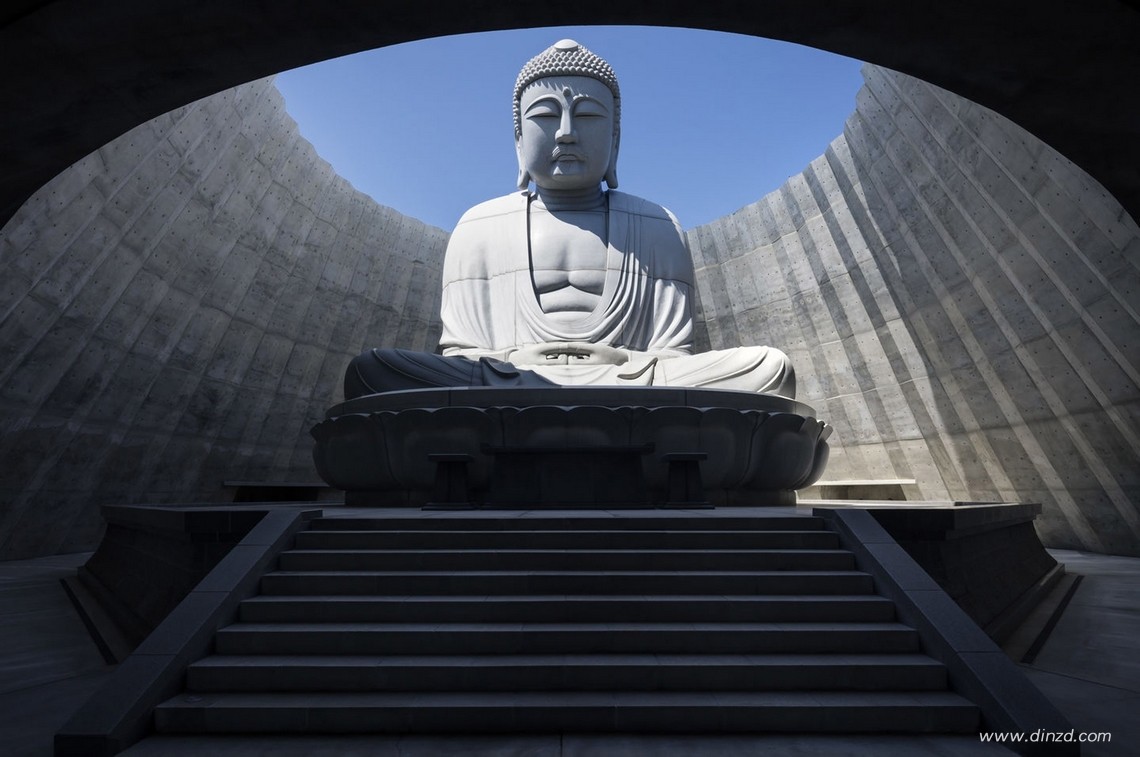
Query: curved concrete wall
x=177, y=309
x=960, y=303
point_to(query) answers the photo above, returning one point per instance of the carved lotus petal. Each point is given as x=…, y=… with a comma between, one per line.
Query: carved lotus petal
x=751, y=443
x=351, y=452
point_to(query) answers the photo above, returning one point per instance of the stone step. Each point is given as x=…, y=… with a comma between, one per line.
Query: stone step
x=566, y=609
x=554, y=712
x=562, y=638
x=565, y=582
x=584, y=539
x=632, y=672
x=652, y=520
x=566, y=559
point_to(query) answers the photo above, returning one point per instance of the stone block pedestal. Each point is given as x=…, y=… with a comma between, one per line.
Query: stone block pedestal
x=571, y=447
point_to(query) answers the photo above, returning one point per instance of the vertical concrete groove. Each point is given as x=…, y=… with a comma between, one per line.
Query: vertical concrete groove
x=935, y=421
x=1067, y=249
x=1089, y=457
x=871, y=354
x=961, y=293
x=979, y=355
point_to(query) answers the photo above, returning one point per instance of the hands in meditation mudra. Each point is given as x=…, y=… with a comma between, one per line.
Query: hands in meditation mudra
x=568, y=284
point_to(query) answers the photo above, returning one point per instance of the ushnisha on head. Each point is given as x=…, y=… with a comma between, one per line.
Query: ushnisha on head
x=563, y=95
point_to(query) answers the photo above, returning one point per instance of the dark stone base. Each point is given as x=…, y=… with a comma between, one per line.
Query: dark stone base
x=987, y=557
x=153, y=556
x=570, y=447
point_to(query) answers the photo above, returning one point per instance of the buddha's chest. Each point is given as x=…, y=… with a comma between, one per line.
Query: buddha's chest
x=568, y=255
x=568, y=242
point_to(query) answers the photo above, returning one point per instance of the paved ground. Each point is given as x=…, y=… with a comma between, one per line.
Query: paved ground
x=48, y=663
x=1089, y=667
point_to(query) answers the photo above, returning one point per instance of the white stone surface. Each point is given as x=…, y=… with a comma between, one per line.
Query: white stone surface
x=568, y=284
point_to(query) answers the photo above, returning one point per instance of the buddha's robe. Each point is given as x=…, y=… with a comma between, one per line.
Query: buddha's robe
x=494, y=327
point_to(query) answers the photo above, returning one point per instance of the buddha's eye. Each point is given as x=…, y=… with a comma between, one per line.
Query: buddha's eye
x=588, y=108
x=543, y=110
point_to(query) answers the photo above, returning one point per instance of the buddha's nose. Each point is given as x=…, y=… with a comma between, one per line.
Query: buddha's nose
x=566, y=131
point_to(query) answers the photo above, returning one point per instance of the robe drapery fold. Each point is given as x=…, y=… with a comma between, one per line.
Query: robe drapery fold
x=489, y=302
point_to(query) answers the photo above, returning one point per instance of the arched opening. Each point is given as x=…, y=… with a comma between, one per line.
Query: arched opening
x=82, y=73
x=207, y=313
x=710, y=121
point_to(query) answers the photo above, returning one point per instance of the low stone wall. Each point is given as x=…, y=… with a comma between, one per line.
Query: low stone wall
x=988, y=558
x=152, y=557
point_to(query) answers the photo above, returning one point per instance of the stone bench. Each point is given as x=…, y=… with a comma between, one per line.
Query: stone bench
x=883, y=489
x=277, y=491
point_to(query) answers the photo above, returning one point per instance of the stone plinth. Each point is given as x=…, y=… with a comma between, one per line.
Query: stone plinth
x=578, y=446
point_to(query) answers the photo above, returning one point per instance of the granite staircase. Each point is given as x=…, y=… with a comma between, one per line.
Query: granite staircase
x=653, y=622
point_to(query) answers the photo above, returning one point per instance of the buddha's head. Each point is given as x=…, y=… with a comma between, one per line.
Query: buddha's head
x=567, y=110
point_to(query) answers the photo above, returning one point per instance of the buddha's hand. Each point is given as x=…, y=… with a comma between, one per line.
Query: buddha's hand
x=568, y=353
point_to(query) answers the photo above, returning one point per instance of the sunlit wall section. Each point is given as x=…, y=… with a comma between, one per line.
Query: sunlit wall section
x=177, y=309
x=960, y=301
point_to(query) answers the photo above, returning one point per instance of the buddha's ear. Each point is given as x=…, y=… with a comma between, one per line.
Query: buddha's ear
x=524, y=175
x=611, y=170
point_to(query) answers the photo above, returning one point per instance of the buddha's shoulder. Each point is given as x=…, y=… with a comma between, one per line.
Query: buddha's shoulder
x=495, y=208
x=489, y=240
x=639, y=206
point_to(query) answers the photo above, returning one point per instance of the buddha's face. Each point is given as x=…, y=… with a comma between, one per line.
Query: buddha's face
x=567, y=139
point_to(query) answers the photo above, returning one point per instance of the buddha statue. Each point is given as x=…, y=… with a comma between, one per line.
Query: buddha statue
x=568, y=284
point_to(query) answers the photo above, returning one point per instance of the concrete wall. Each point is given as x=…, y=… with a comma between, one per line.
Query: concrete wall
x=961, y=304
x=177, y=309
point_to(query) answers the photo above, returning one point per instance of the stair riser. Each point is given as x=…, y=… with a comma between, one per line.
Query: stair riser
x=523, y=611
x=639, y=561
x=714, y=718
x=607, y=523
x=568, y=678
x=235, y=640
x=655, y=584
x=567, y=540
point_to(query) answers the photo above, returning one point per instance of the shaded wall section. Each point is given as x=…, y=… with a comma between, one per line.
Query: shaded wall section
x=961, y=304
x=177, y=309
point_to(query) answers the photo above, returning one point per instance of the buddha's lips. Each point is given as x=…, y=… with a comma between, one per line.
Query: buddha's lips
x=564, y=155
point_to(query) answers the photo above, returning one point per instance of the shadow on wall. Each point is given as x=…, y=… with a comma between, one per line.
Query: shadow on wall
x=955, y=295
x=178, y=308
x=1014, y=270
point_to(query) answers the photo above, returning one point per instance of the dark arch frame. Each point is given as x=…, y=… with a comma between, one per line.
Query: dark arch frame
x=78, y=73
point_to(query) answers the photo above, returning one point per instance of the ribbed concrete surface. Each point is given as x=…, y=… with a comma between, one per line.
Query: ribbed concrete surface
x=178, y=308
x=959, y=301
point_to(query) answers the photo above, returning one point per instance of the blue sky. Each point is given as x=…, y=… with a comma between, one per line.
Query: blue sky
x=710, y=121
